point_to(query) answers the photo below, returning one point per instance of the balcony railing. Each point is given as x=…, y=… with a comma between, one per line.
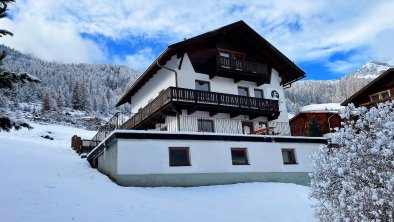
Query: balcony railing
x=173, y=94
x=222, y=99
x=113, y=123
x=200, y=97
x=241, y=65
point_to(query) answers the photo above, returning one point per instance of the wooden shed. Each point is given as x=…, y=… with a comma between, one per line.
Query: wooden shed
x=299, y=124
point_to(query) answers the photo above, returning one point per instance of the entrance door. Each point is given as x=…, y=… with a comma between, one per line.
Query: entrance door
x=247, y=127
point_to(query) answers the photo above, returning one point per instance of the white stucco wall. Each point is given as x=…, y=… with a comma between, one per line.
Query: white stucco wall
x=152, y=156
x=275, y=85
x=187, y=77
x=160, y=81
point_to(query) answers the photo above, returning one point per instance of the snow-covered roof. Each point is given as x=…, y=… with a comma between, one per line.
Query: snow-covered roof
x=322, y=107
x=333, y=108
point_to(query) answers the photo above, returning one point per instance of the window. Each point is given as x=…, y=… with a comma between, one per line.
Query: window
x=232, y=59
x=258, y=93
x=385, y=95
x=225, y=54
x=179, y=156
x=374, y=98
x=289, y=156
x=238, y=56
x=247, y=127
x=380, y=96
x=243, y=91
x=239, y=156
x=205, y=125
x=202, y=85
x=232, y=54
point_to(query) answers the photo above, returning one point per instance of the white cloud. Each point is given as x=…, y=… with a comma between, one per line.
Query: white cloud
x=138, y=61
x=382, y=47
x=53, y=41
x=303, y=30
x=342, y=66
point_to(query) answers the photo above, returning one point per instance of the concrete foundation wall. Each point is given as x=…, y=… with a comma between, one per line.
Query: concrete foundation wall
x=107, y=161
x=206, y=179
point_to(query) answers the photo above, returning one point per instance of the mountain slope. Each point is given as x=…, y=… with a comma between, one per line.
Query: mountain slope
x=98, y=85
x=370, y=70
x=306, y=92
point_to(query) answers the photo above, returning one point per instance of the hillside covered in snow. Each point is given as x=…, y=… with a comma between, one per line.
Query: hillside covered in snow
x=45, y=181
x=307, y=92
x=93, y=88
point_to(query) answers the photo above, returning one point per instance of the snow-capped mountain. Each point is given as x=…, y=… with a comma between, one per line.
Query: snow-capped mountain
x=370, y=70
x=307, y=92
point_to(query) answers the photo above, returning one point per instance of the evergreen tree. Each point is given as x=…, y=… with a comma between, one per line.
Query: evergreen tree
x=8, y=80
x=60, y=99
x=3, y=14
x=104, y=105
x=76, y=97
x=314, y=128
x=52, y=101
x=45, y=102
x=86, y=97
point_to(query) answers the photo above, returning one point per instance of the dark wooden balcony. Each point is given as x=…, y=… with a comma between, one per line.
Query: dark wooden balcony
x=173, y=100
x=241, y=70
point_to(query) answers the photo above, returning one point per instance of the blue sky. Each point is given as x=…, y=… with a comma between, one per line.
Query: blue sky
x=327, y=39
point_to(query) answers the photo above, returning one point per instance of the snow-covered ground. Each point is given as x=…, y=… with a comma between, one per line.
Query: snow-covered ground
x=44, y=180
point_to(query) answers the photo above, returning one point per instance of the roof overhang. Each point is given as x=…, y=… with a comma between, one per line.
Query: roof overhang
x=362, y=90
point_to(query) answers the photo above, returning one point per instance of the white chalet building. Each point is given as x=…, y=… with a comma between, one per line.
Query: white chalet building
x=209, y=110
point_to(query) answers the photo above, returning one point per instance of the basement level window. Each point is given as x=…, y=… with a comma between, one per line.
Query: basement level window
x=179, y=156
x=289, y=156
x=239, y=156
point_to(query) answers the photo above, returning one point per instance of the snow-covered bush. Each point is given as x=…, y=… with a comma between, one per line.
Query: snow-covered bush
x=353, y=180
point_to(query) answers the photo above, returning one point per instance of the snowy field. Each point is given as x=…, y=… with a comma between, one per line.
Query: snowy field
x=44, y=180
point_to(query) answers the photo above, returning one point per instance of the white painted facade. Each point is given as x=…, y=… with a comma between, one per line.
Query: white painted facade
x=186, y=79
x=152, y=157
x=144, y=160
x=160, y=81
